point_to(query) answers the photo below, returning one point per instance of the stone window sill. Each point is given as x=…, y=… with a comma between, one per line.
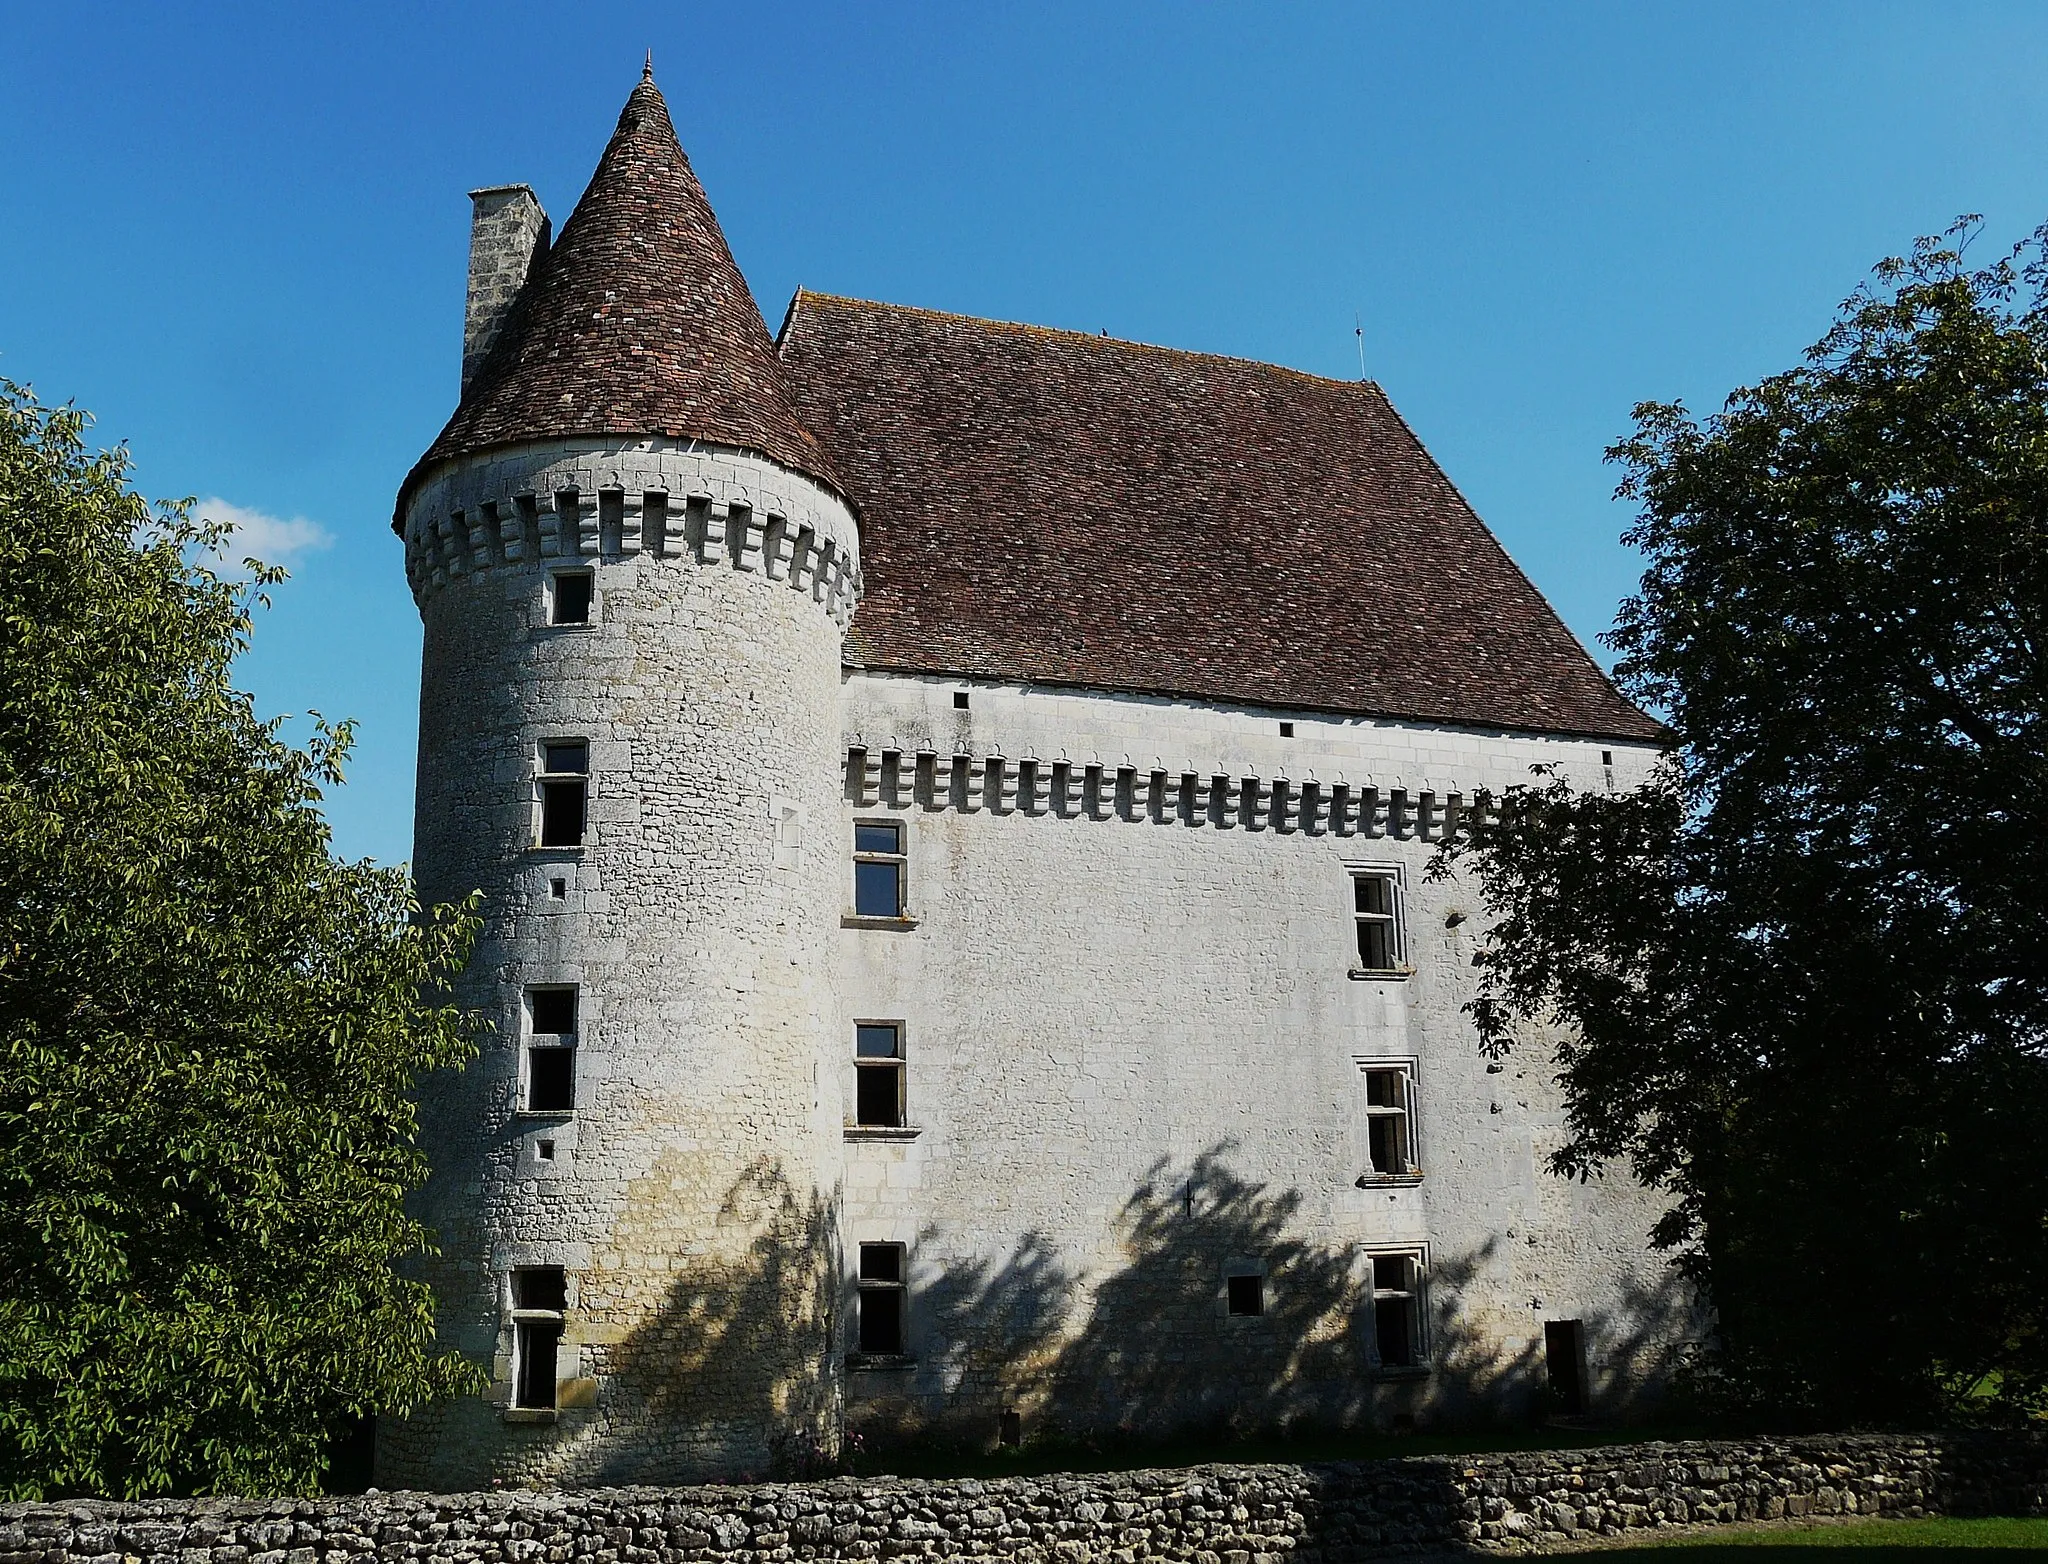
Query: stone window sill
x=1406, y=1371
x=880, y=1360
x=1375, y=975
x=883, y=1132
x=555, y=1115
x=856, y=920
x=531, y=1414
x=558, y=853
x=1388, y=1180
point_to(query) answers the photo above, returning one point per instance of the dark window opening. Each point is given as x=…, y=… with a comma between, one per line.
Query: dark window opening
x=544, y=1150
x=1246, y=1294
x=554, y=1011
x=540, y=1296
x=536, y=1345
x=1396, y=1316
x=881, y=1299
x=1389, y=1126
x=558, y=890
x=879, y=865
x=1010, y=1430
x=550, y=1080
x=564, y=785
x=1607, y=757
x=1287, y=730
x=1564, y=1355
x=572, y=598
x=878, y=1075
x=1373, y=908
x=959, y=700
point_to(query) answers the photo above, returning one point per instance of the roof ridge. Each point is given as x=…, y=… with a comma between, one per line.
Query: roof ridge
x=1097, y=339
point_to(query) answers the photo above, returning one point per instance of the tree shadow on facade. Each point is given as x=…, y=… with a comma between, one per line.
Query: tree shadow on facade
x=728, y=1374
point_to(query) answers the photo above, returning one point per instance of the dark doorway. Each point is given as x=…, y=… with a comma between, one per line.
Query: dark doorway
x=1564, y=1351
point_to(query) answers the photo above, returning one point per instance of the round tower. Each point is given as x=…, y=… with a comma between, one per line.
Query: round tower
x=634, y=567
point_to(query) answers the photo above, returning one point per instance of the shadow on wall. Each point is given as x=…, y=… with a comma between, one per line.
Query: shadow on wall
x=1160, y=1351
x=727, y=1374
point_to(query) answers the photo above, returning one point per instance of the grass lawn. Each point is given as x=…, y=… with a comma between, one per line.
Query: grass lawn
x=1856, y=1542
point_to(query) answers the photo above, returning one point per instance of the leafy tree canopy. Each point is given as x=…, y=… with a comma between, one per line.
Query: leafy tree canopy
x=209, y=1026
x=1800, y=975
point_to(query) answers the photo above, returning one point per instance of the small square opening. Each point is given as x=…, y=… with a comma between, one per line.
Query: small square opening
x=544, y=1151
x=1287, y=730
x=558, y=889
x=1246, y=1294
x=959, y=700
x=573, y=591
x=540, y=1287
x=554, y=1011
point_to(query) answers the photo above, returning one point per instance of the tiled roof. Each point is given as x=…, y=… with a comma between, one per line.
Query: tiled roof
x=1052, y=507
x=636, y=322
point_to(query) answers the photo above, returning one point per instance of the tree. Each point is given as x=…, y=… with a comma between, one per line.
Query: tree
x=210, y=1025
x=1799, y=975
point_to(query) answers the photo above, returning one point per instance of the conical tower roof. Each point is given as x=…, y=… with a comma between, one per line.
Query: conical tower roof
x=635, y=323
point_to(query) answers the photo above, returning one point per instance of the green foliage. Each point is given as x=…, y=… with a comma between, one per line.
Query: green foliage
x=1801, y=973
x=210, y=1025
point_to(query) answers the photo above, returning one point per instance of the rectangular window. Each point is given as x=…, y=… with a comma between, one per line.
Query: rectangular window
x=1375, y=904
x=1389, y=1121
x=564, y=784
x=881, y=1299
x=551, y=1050
x=878, y=1074
x=569, y=602
x=540, y=1299
x=1564, y=1356
x=879, y=866
x=1245, y=1294
x=1397, y=1309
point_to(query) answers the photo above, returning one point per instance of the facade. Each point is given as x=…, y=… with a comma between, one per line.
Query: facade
x=953, y=805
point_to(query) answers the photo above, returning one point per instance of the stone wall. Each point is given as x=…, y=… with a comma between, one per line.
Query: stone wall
x=1207, y=1515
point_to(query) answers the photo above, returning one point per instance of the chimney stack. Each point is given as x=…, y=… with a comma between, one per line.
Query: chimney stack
x=508, y=233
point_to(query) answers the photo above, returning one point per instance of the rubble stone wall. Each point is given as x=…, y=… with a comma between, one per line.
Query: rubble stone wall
x=1205, y=1515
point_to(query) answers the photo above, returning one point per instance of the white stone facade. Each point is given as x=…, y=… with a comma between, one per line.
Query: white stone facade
x=1134, y=1036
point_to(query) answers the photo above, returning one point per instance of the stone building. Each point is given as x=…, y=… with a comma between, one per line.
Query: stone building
x=952, y=803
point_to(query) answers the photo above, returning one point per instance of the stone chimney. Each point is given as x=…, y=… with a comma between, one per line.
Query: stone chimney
x=508, y=232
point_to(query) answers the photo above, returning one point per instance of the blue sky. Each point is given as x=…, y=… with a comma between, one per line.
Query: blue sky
x=238, y=233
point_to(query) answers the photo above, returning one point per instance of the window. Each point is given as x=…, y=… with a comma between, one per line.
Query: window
x=551, y=1050
x=959, y=700
x=1287, y=730
x=540, y=1298
x=1389, y=1121
x=569, y=601
x=1245, y=1294
x=1397, y=1310
x=881, y=1299
x=564, y=782
x=878, y=869
x=878, y=1073
x=1375, y=904
x=1564, y=1356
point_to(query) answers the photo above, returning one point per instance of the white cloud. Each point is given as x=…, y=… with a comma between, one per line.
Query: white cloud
x=272, y=539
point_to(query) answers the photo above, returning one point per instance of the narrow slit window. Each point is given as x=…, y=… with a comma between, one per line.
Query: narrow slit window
x=540, y=1302
x=881, y=1299
x=1375, y=906
x=1389, y=1122
x=880, y=867
x=1564, y=1356
x=1397, y=1310
x=573, y=591
x=564, y=790
x=878, y=1074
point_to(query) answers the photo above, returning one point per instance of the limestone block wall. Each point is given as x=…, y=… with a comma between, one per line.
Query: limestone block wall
x=1136, y=1042
x=1486, y=1504
x=689, y=1195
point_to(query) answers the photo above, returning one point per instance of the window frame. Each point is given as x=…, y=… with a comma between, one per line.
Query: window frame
x=1394, y=920
x=900, y=858
x=551, y=598
x=1415, y=1296
x=528, y=1325
x=534, y=1042
x=896, y=1064
x=545, y=779
x=864, y=1286
x=1407, y=1068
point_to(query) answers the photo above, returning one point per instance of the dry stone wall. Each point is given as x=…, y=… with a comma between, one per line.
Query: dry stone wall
x=1204, y=1515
